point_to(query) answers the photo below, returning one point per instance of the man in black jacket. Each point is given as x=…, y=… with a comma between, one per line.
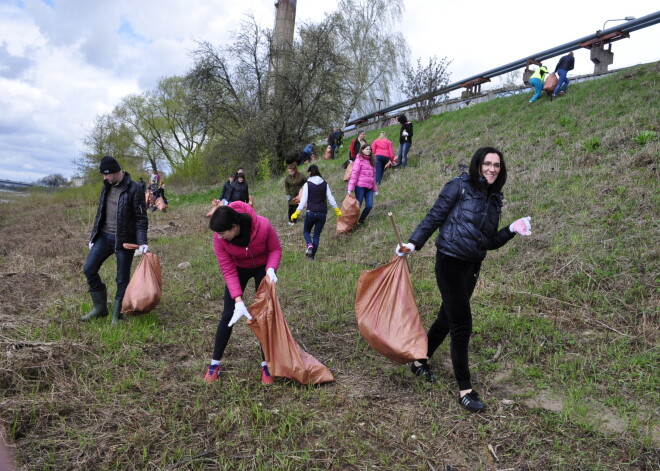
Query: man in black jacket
x=565, y=64
x=120, y=218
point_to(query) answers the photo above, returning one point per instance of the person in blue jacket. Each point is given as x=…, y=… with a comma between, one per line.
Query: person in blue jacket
x=466, y=215
x=565, y=64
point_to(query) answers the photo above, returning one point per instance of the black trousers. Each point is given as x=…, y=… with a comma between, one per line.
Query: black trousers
x=223, y=331
x=456, y=280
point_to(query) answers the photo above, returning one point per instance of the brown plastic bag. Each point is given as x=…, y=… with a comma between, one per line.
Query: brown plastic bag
x=387, y=314
x=550, y=84
x=160, y=204
x=284, y=356
x=216, y=205
x=145, y=289
x=349, y=170
x=297, y=198
x=149, y=199
x=328, y=153
x=350, y=212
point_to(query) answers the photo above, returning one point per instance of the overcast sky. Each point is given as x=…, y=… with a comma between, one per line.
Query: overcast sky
x=63, y=62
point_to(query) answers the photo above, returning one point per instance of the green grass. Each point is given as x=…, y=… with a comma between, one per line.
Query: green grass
x=572, y=311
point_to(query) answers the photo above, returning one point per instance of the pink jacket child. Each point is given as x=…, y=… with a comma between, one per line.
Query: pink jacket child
x=363, y=174
x=264, y=248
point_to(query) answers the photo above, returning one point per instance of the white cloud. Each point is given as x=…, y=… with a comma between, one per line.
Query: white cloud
x=64, y=62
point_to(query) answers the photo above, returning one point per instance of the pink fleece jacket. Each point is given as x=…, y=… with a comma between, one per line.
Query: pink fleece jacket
x=363, y=174
x=264, y=248
x=383, y=147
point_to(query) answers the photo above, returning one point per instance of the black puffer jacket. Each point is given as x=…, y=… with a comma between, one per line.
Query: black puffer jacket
x=467, y=217
x=132, y=221
x=239, y=192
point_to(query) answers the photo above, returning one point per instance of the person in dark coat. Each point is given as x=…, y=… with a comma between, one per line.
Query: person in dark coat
x=405, y=140
x=466, y=215
x=121, y=218
x=293, y=182
x=239, y=189
x=565, y=64
x=226, y=190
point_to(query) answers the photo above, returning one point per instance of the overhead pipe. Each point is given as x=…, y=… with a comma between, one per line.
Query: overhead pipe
x=633, y=25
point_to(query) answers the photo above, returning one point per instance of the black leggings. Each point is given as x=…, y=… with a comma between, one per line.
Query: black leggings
x=456, y=280
x=223, y=332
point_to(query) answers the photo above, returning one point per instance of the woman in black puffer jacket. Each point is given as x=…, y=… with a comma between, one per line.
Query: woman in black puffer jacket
x=467, y=214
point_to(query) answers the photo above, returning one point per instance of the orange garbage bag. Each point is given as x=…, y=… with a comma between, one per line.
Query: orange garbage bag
x=145, y=289
x=349, y=170
x=296, y=199
x=350, y=212
x=328, y=153
x=160, y=204
x=149, y=199
x=550, y=84
x=284, y=356
x=216, y=205
x=387, y=313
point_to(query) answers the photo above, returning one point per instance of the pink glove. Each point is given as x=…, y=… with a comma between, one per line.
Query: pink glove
x=522, y=226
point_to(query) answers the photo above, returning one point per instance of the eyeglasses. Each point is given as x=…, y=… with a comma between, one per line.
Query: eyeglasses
x=490, y=164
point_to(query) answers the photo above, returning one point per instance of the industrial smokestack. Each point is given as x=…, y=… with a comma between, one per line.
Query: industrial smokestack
x=285, y=22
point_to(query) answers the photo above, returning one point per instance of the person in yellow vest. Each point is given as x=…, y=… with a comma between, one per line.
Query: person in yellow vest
x=536, y=80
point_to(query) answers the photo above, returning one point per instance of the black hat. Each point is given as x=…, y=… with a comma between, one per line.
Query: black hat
x=109, y=165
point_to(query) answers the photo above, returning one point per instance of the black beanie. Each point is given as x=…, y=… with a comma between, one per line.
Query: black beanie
x=109, y=165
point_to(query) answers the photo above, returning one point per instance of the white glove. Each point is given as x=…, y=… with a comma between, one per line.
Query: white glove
x=288, y=197
x=239, y=311
x=225, y=202
x=404, y=133
x=375, y=193
x=522, y=226
x=349, y=192
x=142, y=249
x=271, y=274
x=404, y=249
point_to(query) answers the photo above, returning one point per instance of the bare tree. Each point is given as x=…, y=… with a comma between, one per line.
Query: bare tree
x=375, y=53
x=422, y=81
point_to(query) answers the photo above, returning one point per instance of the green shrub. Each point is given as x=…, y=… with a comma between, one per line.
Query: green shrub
x=644, y=137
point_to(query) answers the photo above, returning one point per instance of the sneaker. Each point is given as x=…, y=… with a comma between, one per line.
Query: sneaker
x=212, y=374
x=266, y=378
x=472, y=402
x=310, y=249
x=291, y=223
x=562, y=93
x=423, y=370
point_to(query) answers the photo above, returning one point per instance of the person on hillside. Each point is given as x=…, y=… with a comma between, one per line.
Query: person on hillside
x=335, y=140
x=246, y=246
x=537, y=80
x=315, y=193
x=363, y=180
x=159, y=193
x=293, y=182
x=565, y=64
x=405, y=140
x=239, y=189
x=384, y=151
x=466, y=215
x=226, y=190
x=121, y=218
x=354, y=147
x=143, y=185
x=308, y=153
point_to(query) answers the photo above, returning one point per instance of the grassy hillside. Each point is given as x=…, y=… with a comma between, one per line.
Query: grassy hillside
x=565, y=348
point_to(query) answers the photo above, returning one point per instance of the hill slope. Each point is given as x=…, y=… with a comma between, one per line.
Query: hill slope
x=566, y=321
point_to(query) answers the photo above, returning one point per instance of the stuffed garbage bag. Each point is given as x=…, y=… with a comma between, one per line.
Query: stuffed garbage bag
x=350, y=212
x=387, y=313
x=284, y=356
x=145, y=289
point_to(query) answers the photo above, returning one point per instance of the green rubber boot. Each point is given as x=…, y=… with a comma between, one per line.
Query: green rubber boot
x=100, y=309
x=117, y=316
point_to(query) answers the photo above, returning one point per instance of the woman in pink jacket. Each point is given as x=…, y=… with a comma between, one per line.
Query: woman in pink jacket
x=384, y=152
x=246, y=246
x=363, y=180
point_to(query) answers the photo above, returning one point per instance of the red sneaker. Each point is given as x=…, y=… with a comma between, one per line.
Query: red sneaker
x=212, y=374
x=266, y=378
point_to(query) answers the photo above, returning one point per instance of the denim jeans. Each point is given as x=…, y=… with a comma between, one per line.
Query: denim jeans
x=562, y=84
x=366, y=194
x=103, y=247
x=381, y=161
x=456, y=280
x=223, y=332
x=538, y=86
x=403, y=153
x=315, y=219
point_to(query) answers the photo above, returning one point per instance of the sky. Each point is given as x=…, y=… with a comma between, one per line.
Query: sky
x=65, y=62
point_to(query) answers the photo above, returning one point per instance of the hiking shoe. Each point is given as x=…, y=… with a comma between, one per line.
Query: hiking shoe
x=310, y=249
x=472, y=402
x=423, y=370
x=212, y=374
x=266, y=378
